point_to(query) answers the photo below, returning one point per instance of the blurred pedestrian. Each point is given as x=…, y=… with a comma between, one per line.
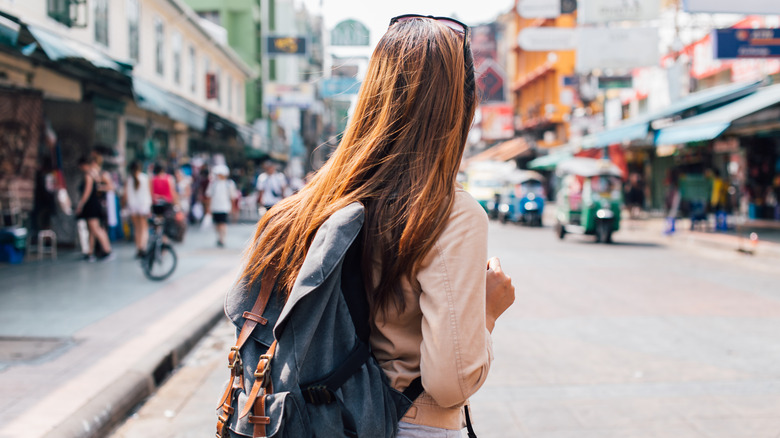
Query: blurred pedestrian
x=271, y=185
x=635, y=195
x=163, y=186
x=220, y=193
x=718, y=199
x=90, y=209
x=432, y=301
x=139, y=205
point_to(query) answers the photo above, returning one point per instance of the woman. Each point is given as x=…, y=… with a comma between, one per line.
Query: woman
x=220, y=193
x=432, y=301
x=139, y=205
x=163, y=186
x=90, y=208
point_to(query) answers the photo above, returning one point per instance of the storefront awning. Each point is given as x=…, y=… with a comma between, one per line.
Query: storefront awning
x=59, y=48
x=638, y=127
x=549, y=162
x=503, y=151
x=9, y=31
x=711, y=124
x=155, y=99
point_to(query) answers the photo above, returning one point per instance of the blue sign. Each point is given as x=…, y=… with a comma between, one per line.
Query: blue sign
x=746, y=43
x=339, y=87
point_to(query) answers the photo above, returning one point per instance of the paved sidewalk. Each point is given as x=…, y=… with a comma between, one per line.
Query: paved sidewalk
x=83, y=343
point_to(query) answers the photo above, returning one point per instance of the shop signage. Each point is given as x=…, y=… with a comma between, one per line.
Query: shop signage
x=763, y=7
x=746, y=43
x=539, y=8
x=212, y=86
x=335, y=87
x=602, y=11
x=497, y=122
x=278, y=45
x=724, y=146
x=613, y=82
x=547, y=39
x=281, y=95
x=616, y=48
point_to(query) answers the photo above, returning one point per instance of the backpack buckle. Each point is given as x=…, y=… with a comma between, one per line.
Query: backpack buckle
x=318, y=395
x=234, y=358
x=260, y=373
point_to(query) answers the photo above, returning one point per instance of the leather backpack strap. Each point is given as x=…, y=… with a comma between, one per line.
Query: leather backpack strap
x=236, y=382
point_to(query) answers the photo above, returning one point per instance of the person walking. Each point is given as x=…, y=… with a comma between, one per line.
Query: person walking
x=434, y=297
x=220, y=193
x=139, y=204
x=90, y=209
x=271, y=186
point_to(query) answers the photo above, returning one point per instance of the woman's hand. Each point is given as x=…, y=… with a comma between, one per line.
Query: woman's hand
x=500, y=292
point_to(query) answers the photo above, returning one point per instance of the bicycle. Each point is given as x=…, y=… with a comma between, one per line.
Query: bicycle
x=159, y=261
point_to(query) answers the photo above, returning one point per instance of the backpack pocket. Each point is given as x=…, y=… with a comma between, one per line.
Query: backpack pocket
x=288, y=418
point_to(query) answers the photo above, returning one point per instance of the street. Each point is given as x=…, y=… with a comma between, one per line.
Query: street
x=636, y=339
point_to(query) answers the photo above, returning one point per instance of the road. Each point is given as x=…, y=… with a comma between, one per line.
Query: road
x=635, y=339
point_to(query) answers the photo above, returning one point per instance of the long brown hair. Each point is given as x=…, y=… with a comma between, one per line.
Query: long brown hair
x=399, y=157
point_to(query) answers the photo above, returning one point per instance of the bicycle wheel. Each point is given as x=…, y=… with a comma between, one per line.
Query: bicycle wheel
x=160, y=263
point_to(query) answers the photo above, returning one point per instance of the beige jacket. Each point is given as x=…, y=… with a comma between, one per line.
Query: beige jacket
x=441, y=335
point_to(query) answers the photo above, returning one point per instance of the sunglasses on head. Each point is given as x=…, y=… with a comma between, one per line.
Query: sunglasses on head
x=452, y=23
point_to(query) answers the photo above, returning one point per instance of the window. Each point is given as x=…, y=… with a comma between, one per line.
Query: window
x=176, y=49
x=72, y=13
x=229, y=89
x=159, y=45
x=133, y=16
x=193, y=71
x=101, y=22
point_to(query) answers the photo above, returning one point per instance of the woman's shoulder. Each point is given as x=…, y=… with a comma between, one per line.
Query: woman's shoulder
x=465, y=204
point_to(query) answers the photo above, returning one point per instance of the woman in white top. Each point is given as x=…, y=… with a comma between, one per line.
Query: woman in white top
x=221, y=192
x=139, y=204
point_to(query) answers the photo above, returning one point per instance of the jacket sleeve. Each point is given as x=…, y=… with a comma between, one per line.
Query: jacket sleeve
x=456, y=349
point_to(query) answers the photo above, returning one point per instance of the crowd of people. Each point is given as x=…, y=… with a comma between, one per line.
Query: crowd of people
x=191, y=194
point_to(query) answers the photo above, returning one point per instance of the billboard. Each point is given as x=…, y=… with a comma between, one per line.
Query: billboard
x=277, y=45
x=490, y=75
x=497, y=122
x=602, y=11
x=547, y=39
x=768, y=7
x=616, y=48
x=746, y=43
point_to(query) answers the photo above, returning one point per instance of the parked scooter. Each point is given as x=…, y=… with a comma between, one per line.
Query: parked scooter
x=590, y=198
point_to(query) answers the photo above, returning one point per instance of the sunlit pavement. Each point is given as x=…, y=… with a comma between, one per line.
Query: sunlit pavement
x=635, y=339
x=83, y=342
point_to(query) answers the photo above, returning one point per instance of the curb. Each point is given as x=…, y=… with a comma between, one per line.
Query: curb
x=103, y=413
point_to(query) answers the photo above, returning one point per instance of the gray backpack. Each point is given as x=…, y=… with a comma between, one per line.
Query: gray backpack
x=303, y=368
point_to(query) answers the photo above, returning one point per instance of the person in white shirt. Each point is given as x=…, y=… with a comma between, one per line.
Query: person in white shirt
x=138, y=197
x=221, y=192
x=271, y=185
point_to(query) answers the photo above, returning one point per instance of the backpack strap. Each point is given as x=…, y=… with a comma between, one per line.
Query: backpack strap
x=236, y=381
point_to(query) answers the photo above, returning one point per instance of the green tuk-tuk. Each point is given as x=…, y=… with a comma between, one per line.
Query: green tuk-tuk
x=589, y=198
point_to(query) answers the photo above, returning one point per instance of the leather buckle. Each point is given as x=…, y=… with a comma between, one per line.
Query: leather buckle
x=260, y=373
x=236, y=358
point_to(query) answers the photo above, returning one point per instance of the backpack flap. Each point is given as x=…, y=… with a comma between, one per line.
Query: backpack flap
x=241, y=298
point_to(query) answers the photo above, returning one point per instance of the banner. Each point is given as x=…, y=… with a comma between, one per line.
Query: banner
x=286, y=45
x=616, y=48
x=746, y=43
x=602, y=11
x=539, y=8
x=281, y=95
x=547, y=39
x=497, y=122
x=761, y=7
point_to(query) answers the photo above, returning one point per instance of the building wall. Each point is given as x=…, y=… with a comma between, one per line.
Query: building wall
x=176, y=21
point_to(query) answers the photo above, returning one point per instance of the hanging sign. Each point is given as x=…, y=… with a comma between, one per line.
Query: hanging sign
x=746, y=43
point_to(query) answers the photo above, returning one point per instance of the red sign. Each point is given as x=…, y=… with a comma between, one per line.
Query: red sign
x=212, y=86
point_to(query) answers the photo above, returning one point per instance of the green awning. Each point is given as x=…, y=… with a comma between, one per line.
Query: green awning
x=9, y=31
x=638, y=128
x=59, y=48
x=711, y=124
x=155, y=99
x=548, y=162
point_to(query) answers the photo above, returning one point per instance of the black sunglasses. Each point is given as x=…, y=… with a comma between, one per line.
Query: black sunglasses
x=452, y=23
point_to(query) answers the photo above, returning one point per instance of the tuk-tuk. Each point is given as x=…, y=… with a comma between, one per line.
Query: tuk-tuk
x=522, y=200
x=484, y=181
x=589, y=199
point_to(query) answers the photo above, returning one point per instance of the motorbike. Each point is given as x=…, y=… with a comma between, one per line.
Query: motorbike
x=589, y=199
x=522, y=200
